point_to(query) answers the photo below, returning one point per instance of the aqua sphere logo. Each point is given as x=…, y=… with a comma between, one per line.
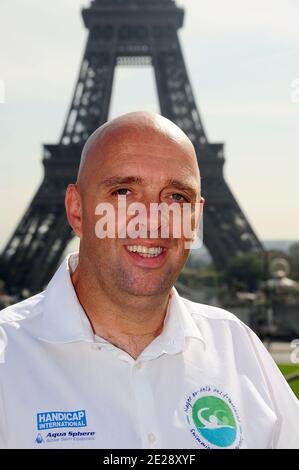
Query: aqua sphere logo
x=213, y=419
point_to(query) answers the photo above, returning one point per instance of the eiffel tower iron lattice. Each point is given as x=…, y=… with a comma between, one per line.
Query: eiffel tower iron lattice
x=122, y=32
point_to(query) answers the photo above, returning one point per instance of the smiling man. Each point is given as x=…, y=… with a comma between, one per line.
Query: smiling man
x=147, y=159
x=109, y=355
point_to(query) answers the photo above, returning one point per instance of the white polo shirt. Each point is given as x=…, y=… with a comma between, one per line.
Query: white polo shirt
x=206, y=382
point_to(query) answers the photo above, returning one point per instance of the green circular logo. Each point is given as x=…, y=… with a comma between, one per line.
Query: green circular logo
x=214, y=420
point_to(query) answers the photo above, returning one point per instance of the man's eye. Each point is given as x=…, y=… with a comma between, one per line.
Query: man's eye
x=120, y=192
x=178, y=197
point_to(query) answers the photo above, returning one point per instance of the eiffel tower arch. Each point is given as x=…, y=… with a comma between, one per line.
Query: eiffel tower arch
x=122, y=32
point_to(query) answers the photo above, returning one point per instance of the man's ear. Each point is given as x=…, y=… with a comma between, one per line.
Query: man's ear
x=196, y=239
x=73, y=207
x=199, y=214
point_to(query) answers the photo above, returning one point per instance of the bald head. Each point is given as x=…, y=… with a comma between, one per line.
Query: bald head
x=137, y=127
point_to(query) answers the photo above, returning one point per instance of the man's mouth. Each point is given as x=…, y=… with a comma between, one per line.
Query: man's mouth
x=146, y=252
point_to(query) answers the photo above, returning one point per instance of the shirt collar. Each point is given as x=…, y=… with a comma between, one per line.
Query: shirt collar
x=178, y=326
x=64, y=319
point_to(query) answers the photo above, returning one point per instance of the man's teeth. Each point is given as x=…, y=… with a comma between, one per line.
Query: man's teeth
x=145, y=251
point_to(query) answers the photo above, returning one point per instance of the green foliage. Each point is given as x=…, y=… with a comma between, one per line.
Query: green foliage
x=245, y=272
x=196, y=278
x=288, y=369
x=294, y=259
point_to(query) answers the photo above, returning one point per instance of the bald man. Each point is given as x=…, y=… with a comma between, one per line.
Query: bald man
x=109, y=355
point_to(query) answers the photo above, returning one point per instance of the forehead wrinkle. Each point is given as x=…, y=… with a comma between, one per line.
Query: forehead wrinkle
x=114, y=180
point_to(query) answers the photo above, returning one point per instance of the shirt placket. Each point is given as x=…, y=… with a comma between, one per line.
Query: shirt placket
x=145, y=405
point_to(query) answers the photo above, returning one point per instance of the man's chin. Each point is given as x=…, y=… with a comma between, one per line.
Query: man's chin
x=146, y=290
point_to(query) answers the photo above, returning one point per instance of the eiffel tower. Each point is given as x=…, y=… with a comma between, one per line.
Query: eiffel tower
x=122, y=32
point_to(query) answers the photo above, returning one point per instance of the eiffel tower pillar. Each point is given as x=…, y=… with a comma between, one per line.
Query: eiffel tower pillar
x=122, y=32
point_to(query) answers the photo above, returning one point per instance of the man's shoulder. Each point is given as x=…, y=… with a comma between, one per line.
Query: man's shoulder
x=209, y=312
x=23, y=311
x=219, y=323
x=216, y=320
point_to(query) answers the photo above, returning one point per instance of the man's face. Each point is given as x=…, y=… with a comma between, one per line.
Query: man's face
x=140, y=169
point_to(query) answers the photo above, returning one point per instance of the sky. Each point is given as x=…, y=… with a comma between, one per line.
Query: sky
x=243, y=63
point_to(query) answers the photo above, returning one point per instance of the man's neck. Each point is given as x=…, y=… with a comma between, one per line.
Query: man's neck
x=130, y=323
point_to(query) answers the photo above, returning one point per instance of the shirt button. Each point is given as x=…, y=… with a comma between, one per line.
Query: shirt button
x=151, y=437
x=96, y=347
x=138, y=365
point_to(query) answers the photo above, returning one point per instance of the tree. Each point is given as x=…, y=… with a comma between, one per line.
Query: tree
x=245, y=272
x=294, y=259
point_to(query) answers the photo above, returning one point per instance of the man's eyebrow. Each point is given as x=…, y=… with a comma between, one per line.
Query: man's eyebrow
x=183, y=186
x=115, y=180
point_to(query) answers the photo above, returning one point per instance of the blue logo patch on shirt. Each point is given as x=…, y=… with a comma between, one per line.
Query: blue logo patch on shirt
x=61, y=419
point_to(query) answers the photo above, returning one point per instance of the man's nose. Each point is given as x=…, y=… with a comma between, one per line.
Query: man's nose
x=155, y=218
x=148, y=221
